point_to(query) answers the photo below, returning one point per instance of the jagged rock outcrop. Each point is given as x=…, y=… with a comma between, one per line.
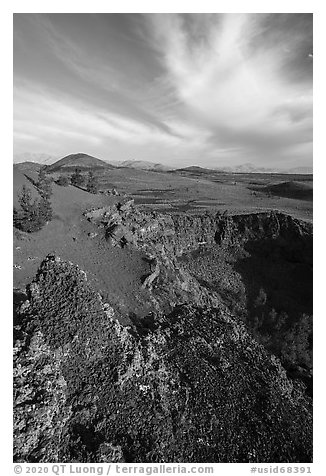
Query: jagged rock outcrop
x=182, y=233
x=166, y=239
x=190, y=386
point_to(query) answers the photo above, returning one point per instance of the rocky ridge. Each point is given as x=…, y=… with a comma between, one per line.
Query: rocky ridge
x=191, y=385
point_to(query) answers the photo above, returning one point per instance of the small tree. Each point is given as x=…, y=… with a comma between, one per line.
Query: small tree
x=27, y=217
x=41, y=176
x=77, y=179
x=92, y=184
x=45, y=210
x=63, y=181
x=32, y=215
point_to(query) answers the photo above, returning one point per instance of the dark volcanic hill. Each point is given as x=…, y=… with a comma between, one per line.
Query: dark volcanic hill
x=80, y=160
x=195, y=169
x=292, y=189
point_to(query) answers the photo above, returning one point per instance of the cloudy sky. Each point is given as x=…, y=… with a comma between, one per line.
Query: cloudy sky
x=206, y=89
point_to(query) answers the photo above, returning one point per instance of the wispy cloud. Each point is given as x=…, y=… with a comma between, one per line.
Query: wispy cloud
x=203, y=88
x=64, y=121
x=236, y=91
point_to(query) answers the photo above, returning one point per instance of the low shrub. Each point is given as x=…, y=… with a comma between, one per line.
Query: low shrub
x=63, y=181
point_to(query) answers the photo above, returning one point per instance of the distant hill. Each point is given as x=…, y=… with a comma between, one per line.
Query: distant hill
x=28, y=166
x=80, y=160
x=244, y=168
x=34, y=157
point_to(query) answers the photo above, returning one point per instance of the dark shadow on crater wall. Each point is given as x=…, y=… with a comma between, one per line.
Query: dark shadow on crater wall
x=278, y=278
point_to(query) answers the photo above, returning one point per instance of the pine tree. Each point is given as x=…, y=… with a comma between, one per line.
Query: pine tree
x=45, y=210
x=92, y=184
x=25, y=199
x=27, y=217
x=44, y=183
x=42, y=178
x=32, y=215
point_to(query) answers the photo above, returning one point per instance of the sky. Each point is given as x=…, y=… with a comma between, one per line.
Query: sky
x=180, y=89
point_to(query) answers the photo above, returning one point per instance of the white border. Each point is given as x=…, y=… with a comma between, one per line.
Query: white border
x=65, y=6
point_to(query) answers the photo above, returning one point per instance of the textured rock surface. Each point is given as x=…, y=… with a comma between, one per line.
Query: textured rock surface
x=180, y=233
x=187, y=386
x=167, y=238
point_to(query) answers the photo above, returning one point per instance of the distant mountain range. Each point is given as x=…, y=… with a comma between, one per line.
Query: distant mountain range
x=251, y=169
x=300, y=170
x=245, y=169
x=87, y=161
x=141, y=165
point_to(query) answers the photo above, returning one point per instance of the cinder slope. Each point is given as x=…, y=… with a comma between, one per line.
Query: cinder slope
x=116, y=273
